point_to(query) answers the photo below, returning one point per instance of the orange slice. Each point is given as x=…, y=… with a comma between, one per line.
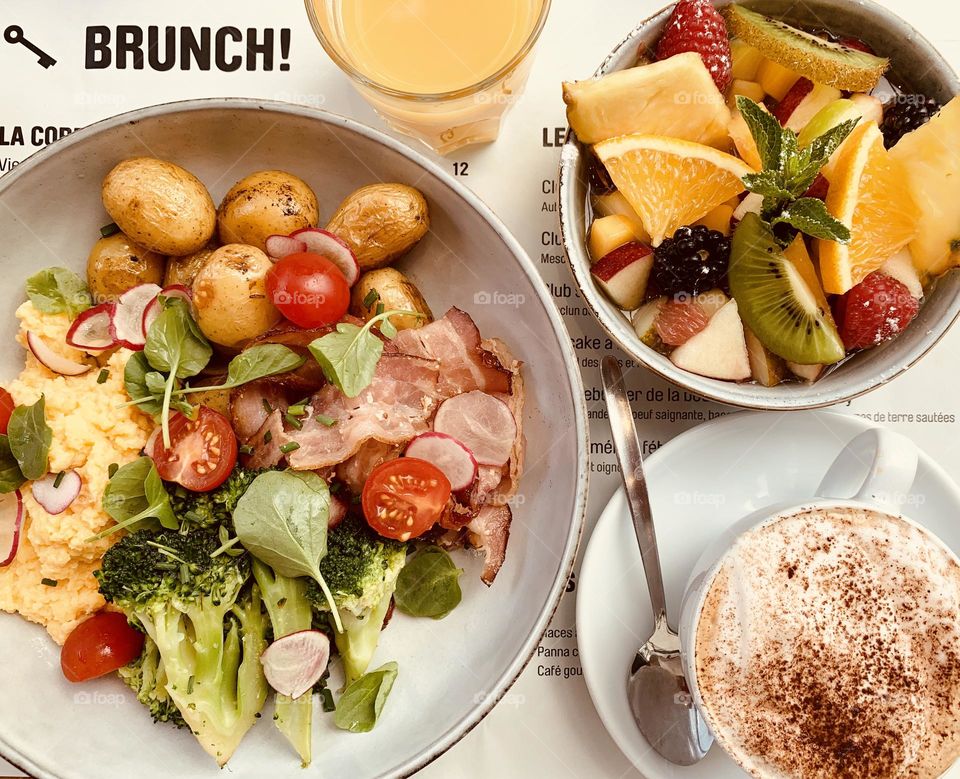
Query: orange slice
x=868, y=193
x=671, y=182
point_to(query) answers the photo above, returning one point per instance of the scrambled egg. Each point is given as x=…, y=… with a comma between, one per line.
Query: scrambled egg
x=90, y=432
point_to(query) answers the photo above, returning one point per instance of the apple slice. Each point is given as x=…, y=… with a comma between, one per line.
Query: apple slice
x=719, y=351
x=797, y=94
x=611, y=232
x=767, y=368
x=818, y=98
x=751, y=204
x=901, y=267
x=711, y=302
x=623, y=274
x=809, y=373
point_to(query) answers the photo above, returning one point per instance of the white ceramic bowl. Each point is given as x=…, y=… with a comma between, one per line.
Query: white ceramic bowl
x=919, y=68
x=452, y=672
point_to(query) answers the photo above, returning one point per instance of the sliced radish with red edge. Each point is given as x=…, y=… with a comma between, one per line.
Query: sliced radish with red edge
x=294, y=663
x=481, y=422
x=128, y=316
x=54, y=497
x=55, y=362
x=11, y=522
x=280, y=246
x=152, y=311
x=333, y=248
x=93, y=330
x=451, y=456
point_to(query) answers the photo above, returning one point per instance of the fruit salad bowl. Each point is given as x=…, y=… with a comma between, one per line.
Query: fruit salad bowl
x=916, y=67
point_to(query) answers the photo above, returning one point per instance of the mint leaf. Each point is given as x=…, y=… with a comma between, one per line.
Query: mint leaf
x=768, y=184
x=823, y=147
x=765, y=129
x=809, y=215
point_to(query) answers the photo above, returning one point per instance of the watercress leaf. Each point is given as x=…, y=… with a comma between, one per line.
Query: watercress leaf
x=362, y=702
x=765, y=129
x=140, y=381
x=823, y=147
x=809, y=215
x=388, y=329
x=429, y=584
x=348, y=357
x=159, y=499
x=156, y=382
x=59, y=291
x=261, y=361
x=30, y=438
x=10, y=476
x=175, y=344
x=135, y=498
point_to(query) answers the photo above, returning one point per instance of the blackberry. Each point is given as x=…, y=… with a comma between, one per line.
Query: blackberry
x=904, y=114
x=694, y=261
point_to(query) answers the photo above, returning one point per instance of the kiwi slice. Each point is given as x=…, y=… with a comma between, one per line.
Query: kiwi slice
x=820, y=60
x=774, y=300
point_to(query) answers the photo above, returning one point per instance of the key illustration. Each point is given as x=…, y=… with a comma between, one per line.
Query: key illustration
x=14, y=34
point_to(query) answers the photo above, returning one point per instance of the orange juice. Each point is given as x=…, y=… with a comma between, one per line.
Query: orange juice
x=431, y=46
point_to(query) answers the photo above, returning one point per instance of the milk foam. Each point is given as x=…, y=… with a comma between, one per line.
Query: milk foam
x=829, y=645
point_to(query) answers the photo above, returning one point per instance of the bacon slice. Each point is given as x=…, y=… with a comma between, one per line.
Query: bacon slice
x=454, y=342
x=354, y=472
x=251, y=404
x=489, y=532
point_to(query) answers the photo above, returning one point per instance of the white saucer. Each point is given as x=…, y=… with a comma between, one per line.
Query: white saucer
x=700, y=483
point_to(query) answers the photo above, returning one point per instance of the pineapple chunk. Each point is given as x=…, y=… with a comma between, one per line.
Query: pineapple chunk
x=746, y=60
x=929, y=157
x=749, y=89
x=675, y=97
x=611, y=232
x=719, y=219
x=616, y=203
x=775, y=79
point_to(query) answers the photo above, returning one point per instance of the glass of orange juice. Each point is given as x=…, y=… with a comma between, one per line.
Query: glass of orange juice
x=442, y=71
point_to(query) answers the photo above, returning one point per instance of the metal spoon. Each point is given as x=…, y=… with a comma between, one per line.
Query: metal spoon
x=657, y=690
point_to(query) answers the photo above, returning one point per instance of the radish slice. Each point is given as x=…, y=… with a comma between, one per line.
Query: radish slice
x=481, y=422
x=455, y=461
x=152, y=311
x=93, y=330
x=280, y=246
x=11, y=520
x=338, y=510
x=54, y=361
x=128, y=316
x=294, y=663
x=56, y=499
x=333, y=248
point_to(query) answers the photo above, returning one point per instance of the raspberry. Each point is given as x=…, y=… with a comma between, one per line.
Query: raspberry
x=785, y=108
x=874, y=311
x=819, y=188
x=696, y=25
x=680, y=320
x=694, y=261
x=904, y=114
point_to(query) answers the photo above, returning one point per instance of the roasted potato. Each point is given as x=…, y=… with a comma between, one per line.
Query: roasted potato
x=269, y=202
x=161, y=206
x=116, y=264
x=230, y=295
x=393, y=291
x=381, y=222
x=183, y=270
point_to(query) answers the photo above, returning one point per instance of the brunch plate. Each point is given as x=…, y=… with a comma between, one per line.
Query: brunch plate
x=452, y=672
x=766, y=458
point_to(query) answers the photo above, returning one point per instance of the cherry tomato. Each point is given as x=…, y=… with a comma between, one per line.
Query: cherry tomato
x=202, y=451
x=308, y=289
x=404, y=498
x=102, y=644
x=6, y=409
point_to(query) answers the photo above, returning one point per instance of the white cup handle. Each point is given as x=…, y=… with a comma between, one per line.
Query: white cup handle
x=878, y=467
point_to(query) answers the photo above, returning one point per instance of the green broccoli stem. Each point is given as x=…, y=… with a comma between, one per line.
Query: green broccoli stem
x=289, y=612
x=358, y=641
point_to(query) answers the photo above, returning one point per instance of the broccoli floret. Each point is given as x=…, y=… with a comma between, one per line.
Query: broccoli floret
x=361, y=569
x=290, y=612
x=207, y=623
x=148, y=679
x=210, y=509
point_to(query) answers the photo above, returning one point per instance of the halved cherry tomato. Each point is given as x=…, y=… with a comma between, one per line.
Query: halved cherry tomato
x=404, y=498
x=202, y=451
x=101, y=644
x=6, y=409
x=308, y=289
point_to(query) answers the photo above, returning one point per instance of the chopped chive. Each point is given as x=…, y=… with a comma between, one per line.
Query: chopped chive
x=292, y=446
x=268, y=437
x=59, y=480
x=380, y=309
x=372, y=297
x=103, y=376
x=190, y=683
x=293, y=421
x=267, y=407
x=246, y=449
x=112, y=470
x=325, y=420
x=297, y=410
x=107, y=230
x=49, y=582
x=326, y=697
